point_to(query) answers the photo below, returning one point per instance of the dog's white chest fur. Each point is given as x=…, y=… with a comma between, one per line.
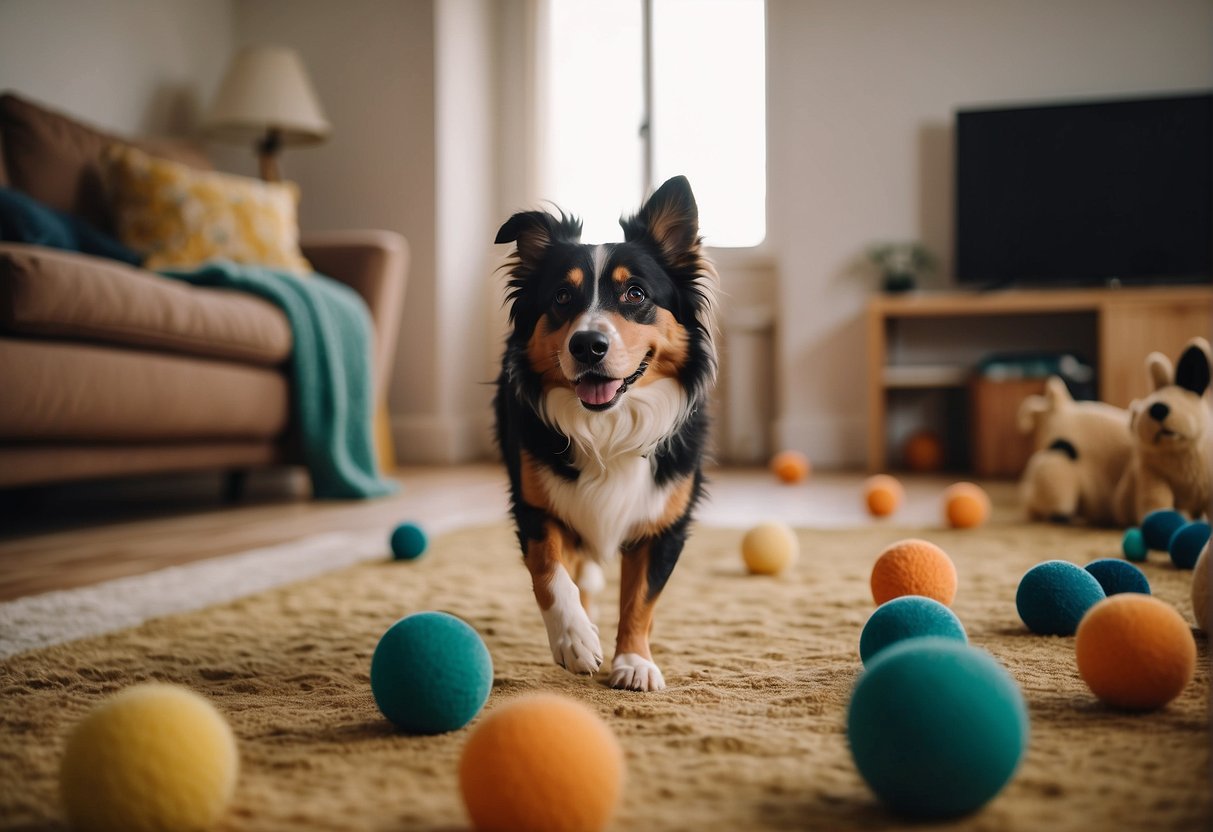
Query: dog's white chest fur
x=607, y=505
x=615, y=494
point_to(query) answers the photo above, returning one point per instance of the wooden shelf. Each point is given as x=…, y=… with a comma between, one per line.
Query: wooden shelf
x=925, y=376
x=1130, y=322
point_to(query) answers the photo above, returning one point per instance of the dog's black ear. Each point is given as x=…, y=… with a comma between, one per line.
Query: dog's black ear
x=1192, y=371
x=668, y=221
x=535, y=231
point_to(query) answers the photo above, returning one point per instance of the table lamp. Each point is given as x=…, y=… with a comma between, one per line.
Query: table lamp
x=267, y=99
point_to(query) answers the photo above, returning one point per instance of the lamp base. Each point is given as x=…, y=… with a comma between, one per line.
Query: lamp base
x=267, y=148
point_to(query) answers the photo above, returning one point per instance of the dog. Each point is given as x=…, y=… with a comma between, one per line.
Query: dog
x=601, y=416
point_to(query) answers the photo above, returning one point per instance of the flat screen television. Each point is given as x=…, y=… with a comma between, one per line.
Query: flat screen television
x=1086, y=193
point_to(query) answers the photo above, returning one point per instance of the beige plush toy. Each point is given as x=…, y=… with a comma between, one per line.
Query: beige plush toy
x=1172, y=431
x=1082, y=450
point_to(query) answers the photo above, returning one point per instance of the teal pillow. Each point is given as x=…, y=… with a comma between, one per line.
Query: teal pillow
x=24, y=219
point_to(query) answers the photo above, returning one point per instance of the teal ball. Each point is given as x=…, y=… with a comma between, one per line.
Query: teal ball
x=1158, y=526
x=1133, y=544
x=1054, y=596
x=408, y=542
x=1186, y=543
x=1116, y=576
x=908, y=616
x=431, y=673
x=936, y=727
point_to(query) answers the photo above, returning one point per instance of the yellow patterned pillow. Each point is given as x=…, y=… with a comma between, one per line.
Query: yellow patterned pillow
x=180, y=217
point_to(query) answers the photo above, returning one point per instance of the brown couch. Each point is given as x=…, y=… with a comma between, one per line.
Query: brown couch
x=109, y=370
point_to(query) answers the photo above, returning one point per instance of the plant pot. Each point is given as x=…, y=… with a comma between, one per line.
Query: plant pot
x=896, y=282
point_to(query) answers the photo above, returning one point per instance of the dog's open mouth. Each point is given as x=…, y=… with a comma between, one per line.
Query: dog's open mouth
x=1164, y=433
x=598, y=392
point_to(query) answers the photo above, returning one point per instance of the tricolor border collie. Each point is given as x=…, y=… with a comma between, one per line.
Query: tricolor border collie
x=601, y=416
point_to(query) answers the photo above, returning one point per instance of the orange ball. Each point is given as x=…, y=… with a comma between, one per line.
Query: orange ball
x=966, y=505
x=1135, y=651
x=541, y=762
x=923, y=451
x=913, y=567
x=790, y=466
x=883, y=495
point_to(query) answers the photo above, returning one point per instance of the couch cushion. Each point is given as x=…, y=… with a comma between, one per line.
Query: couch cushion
x=57, y=160
x=74, y=296
x=63, y=391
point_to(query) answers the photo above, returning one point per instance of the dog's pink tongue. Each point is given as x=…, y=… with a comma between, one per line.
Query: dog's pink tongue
x=598, y=392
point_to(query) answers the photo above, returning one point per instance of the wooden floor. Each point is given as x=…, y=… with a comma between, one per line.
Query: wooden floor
x=76, y=536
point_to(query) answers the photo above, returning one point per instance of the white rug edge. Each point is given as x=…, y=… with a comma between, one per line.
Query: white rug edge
x=58, y=617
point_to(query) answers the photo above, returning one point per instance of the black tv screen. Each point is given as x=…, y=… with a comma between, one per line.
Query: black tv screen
x=1086, y=193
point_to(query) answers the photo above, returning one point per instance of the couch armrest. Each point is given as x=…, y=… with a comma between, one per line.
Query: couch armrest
x=375, y=264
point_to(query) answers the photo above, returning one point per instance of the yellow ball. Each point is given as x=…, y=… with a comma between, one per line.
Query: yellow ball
x=883, y=495
x=152, y=758
x=544, y=763
x=790, y=466
x=966, y=505
x=769, y=548
x=1200, y=592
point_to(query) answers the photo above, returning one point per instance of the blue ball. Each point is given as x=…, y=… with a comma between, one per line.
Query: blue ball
x=1187, y=542
x=936, y=727
x=431, y=673
x=1116, y=576
x=908, y=616
x=408, y=542
x=1158, y=526
x=1054, y=596
x=1133, y=544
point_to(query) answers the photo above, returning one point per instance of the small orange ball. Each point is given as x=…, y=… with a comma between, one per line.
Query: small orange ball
x=966, y=505
x=790, y=466
x=541, y=762
x=883, y=495
x=1135, y=651
x=913, y=567
x=923, y=451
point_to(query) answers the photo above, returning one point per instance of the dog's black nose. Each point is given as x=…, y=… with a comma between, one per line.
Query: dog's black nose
x=589, y=346
x=1159, y=411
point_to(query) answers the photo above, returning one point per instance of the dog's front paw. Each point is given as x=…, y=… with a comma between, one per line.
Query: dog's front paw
x=575, y=646
x=631, y=671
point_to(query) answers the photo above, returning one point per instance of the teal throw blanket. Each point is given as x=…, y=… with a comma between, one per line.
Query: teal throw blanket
x=330, y=366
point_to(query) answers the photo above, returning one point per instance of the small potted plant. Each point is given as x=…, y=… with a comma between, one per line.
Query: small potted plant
x=901, y=264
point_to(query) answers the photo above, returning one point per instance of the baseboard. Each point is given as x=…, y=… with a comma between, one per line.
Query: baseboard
x=441, y=440
x=829, y=441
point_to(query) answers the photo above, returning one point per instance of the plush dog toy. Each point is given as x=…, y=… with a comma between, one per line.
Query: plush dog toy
x=1172, y=432
x=1082, y=450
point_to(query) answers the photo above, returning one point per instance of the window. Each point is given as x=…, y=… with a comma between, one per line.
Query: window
x=633, y=92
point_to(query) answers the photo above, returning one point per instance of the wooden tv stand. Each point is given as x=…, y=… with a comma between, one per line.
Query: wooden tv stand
x=1129, y=323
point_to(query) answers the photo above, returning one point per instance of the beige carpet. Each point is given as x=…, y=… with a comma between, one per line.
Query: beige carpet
x=749, y=735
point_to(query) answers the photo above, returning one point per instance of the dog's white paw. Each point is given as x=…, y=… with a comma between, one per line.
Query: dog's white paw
x=631, y=671
x=575, y=644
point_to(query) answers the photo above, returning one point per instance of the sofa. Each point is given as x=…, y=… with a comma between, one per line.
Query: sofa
x=108, y=370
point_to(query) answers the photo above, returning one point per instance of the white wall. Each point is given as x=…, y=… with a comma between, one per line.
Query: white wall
x=466, y=208
x=861, y=97
x=128, y=66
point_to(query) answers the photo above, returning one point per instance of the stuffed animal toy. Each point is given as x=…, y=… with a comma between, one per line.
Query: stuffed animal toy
x=1172, y=432
x=1082, y=450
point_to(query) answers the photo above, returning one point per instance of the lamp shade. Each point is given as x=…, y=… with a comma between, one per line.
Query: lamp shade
x=267, y=88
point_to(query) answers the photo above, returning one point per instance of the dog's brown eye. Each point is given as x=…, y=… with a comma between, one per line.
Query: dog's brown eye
x=634, y=294
x=563, y=296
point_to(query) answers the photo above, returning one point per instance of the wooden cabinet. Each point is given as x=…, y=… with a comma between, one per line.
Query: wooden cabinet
x=1128, y=323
